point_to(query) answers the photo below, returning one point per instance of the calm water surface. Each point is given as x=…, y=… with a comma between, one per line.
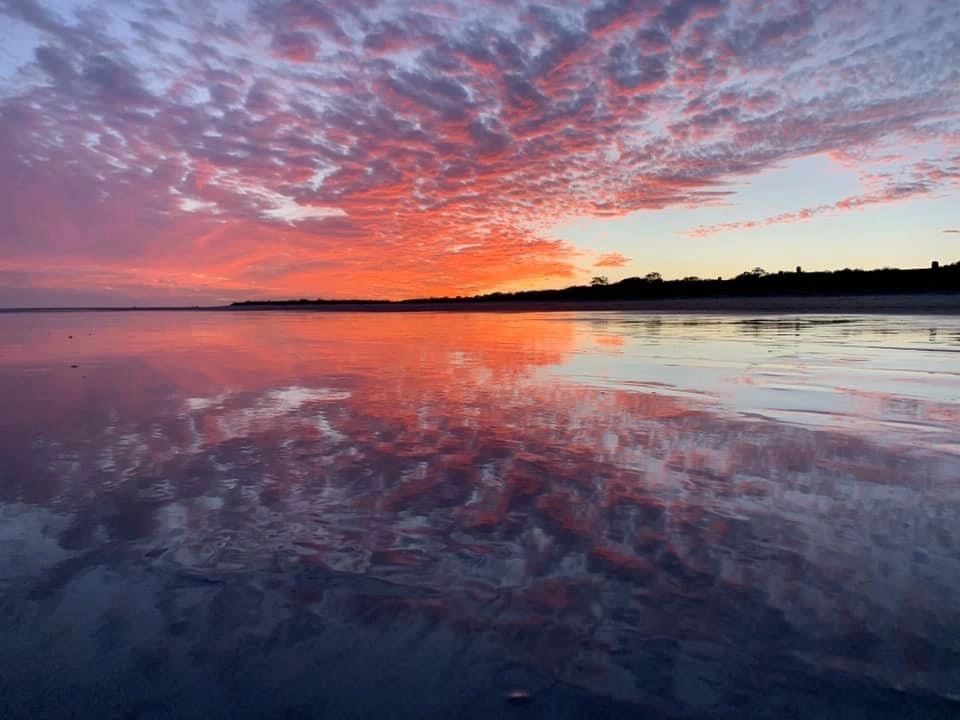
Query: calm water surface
x=258, y=515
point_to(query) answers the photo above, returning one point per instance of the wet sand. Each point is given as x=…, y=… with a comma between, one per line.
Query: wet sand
x=418, y=517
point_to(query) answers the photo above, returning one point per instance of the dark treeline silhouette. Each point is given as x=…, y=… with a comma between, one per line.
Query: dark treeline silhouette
x=306, y=301
x=753, y=283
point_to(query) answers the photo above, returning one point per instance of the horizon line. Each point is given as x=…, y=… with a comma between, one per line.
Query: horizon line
x=511, y=296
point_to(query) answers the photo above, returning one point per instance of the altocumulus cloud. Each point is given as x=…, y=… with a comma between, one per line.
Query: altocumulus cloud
x=611, y=260
x=388, y=148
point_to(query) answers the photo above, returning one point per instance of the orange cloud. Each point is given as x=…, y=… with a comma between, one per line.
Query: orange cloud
x=383, y=150
x=613, y=259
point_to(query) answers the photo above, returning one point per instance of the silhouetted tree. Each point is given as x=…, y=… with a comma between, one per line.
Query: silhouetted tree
x=944, y=278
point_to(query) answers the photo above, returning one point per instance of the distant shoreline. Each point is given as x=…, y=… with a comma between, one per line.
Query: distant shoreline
x=912, y=304
x=862, y=304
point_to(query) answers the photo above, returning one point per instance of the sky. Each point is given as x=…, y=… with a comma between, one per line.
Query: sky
x=196, y=152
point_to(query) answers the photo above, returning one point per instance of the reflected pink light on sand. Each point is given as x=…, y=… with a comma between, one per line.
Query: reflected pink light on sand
x=486, y=460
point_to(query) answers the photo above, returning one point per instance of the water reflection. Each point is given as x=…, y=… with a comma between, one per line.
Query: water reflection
x=684, y=516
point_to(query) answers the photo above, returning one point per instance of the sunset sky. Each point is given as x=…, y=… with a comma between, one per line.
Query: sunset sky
x=200, y=152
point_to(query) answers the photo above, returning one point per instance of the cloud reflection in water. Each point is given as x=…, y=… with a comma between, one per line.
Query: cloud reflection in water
x=632, y=512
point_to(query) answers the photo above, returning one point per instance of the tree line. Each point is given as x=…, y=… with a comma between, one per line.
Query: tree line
x=751, y=283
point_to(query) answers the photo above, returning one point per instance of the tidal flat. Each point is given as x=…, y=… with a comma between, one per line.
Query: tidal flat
x=610, y=514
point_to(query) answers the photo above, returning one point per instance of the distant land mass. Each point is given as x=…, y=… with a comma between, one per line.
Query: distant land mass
x=935, y=289
x=798, y=288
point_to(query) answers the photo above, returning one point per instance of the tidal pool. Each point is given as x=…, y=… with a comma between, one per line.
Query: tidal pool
x=362, y=515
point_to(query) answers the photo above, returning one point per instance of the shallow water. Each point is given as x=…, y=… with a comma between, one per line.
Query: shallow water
x=267, y=514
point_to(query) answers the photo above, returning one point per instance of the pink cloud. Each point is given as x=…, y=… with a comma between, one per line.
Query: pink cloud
x=296, y=46
x=611, y=260
x=925, y=177
x=168, y=160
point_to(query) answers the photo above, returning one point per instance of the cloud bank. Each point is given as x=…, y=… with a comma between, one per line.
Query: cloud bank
x=201, y=151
